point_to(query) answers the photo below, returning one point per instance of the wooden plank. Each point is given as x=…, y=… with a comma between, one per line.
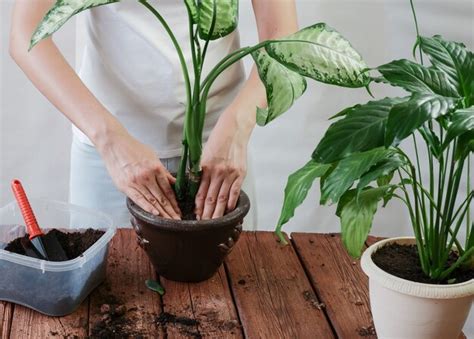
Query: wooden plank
x=6, y=314
x=272, y=293
x=27, y=323
x=339, y=282
x=204, y=309
x=372, y=240
x=123, y=305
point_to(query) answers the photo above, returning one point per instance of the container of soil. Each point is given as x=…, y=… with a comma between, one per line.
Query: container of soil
x=404, y=303
x=188, y=250
x=53, y=288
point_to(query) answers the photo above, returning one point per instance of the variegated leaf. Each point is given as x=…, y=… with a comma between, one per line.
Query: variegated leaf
x=226, y=18
x=323, y=54
x=283, y=87
x=193, y=10
x=59, y=14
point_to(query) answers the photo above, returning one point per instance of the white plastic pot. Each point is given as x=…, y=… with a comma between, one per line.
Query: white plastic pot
x=403, y=309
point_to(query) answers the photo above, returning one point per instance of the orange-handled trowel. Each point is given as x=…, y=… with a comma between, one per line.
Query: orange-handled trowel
x=43, y=245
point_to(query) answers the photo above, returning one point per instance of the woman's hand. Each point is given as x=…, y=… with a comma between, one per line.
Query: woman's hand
x=137, y=171
x=224, y=166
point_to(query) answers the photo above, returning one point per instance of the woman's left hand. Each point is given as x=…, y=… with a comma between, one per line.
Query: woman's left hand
x=224, y=166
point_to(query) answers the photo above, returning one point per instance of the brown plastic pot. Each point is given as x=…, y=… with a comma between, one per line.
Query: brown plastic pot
x=188, y=250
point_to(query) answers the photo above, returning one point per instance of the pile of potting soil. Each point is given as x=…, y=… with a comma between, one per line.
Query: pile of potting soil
x=403, y=261
x=73, y=244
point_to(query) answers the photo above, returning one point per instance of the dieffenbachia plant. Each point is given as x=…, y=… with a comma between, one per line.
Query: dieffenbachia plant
x=318, y=52
x=361, y=162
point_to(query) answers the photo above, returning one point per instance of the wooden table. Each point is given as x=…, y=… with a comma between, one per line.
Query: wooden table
x=311, y=289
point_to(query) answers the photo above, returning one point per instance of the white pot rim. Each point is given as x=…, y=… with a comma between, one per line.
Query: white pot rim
x=410, y=287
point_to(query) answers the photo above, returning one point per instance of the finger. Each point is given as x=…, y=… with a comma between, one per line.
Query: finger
x=222, y=199
x=234, y=194
x=211, y=197
x=168, y=201
x=141, y=201
x=201, y=195
x=160, y=201
x=152, y=200
x=170, y=178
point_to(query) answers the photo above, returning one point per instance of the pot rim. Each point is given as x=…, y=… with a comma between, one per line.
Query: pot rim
x=404, y=286
x=231, y=218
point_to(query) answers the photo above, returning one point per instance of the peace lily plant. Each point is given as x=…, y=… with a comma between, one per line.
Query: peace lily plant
x=362, y=163
x=318, y=52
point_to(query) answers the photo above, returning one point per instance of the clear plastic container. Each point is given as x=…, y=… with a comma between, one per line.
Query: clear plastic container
x=52, y=288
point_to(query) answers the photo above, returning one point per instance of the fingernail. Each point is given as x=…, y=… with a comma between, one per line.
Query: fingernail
x=198, y=217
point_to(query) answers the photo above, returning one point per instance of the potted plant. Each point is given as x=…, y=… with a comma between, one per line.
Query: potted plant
x=420, y=287
x=191, y=250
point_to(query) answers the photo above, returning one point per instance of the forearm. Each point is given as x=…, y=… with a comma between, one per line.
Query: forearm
x=49, y=71
x=274, y=19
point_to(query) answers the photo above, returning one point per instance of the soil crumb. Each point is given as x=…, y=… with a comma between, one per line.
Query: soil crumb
x=74, y=244
x=113, y=322
x=403, y=261
x=185, y=325
x=367, y=331
x=312, y=299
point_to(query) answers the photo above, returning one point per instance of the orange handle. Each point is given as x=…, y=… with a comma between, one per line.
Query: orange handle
x=32, y=226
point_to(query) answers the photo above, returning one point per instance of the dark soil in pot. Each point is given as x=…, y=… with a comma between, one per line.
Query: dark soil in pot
x=403, y=261
x=188, y=250
x=74, y=243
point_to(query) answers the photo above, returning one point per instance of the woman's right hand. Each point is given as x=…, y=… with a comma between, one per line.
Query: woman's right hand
x=137, y=171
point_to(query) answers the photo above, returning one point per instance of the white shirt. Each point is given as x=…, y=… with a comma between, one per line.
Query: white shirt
x=129, y=63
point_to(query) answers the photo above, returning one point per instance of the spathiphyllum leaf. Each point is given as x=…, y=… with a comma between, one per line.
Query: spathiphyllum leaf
x=226, y=18
x=462, y=121
x=362, y=129
x=193, y=10
x=283, y=87
x=465, y=145
x=416, y=78
x=408, y=116
x=381, y=172
x=59, y=14
x=357, y=215
x=350, y=169
x=453, y=59
x=323, y=54
x=297, y=189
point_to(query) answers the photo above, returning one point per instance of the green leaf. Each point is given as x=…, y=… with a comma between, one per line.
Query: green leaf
x=193, y=10
x=462, y=121
x=59, y=14
x=410, y=115
x=356, y=217
x=348, y=170
x=227, y=17
x=453, y=59
x=344, y=200
x=297, y=189
x=283, y=86
x=383, y=169
x=432, y=140
x=155, y=286
x=323, y=54
x=362, y=129
x=465, y=145
x=416, y=78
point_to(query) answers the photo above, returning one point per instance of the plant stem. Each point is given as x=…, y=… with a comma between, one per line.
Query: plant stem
x=417, y=29
x=180, y=180
x=458, y=262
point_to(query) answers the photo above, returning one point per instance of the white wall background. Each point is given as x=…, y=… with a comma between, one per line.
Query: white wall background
x=35, y=138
